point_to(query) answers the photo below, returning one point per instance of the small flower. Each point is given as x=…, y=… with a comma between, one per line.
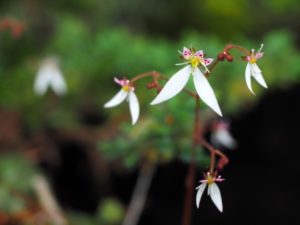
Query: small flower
x=180, y=79
x=50, y=76
x=126, y=93
x=213, y=190
x=221, y=136
x=253, y=70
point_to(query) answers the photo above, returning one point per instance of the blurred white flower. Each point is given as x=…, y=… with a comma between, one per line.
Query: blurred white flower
x=178, y=81
x=213, y=191
x=221, y=136
x=252, y=69
x=126, y=93
x=50, y=76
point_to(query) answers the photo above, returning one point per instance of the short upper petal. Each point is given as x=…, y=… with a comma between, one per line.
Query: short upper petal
x=258, y=76
x=205, y=91
x=199, y=53
x=199, y=194
x=186, y=53
x=173, y=86
x=208, y=61
x=248, y=77
x=117, y=99
x=215, y=195
x=134, y=107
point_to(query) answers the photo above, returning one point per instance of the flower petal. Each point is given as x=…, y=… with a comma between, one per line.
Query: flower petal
x=134, y=107
x=258, y=76
x=248, y=77
x=42, y=81
x=173, y=86
x=186, y=53
x=199, y=194
x=208, y=61
x=199, y=53
x=259, y=55
x=58, y=83
x=215, y=195
x=117, y=99
x=205, y=91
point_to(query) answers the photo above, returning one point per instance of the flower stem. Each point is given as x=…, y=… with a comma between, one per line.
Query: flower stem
x=241, y=49
x=153, y=74
x=213, y=152
x=197, y=134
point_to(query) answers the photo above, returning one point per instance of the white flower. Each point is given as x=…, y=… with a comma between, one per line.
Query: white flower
x=252, y=69
x=50, y=76
x=213, y=191
x=180, y=79
x=221, y=136
x=126, y=93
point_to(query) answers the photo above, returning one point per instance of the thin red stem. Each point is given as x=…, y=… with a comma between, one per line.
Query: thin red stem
x=231, y=46
x=153, y=74
x=213, y=152
x=197, y=134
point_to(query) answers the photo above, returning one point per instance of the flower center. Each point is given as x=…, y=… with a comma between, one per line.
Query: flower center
x=252, y=60
x=195, y=61
x=210, y=179
x=126, y=88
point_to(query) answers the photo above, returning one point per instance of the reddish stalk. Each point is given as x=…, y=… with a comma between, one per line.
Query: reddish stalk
x=213, y=152
x=197, y=134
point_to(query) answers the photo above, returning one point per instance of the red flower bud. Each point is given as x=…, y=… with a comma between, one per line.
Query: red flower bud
x=229, y=57
x=221, y=56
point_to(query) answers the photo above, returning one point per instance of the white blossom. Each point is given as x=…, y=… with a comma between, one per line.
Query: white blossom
x=179, y=80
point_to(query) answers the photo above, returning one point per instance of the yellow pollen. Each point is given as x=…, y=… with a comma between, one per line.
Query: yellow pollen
x=210, y=179
x=252, y=60
x=126, y=88
x=194, y=61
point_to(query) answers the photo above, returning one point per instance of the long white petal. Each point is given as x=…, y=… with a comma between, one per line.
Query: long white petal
x=117, y=99
x=205, y=91
x=248, y=77
x=173, y=86
x=215, y=195
x=256, y=72
x=199, y=194
x=58, y=82
x=42, y=81
x=134, y=107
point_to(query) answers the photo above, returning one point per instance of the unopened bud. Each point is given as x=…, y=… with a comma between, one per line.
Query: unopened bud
x=221, y=56
x=229, y=57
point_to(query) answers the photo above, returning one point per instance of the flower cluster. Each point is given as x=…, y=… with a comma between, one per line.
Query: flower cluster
x=196, y=65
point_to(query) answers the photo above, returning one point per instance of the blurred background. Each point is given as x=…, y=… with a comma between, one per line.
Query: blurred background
x=66, y=160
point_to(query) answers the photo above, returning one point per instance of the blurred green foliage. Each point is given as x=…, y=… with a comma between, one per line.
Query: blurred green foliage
x=110, y=212
x=15, y=182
